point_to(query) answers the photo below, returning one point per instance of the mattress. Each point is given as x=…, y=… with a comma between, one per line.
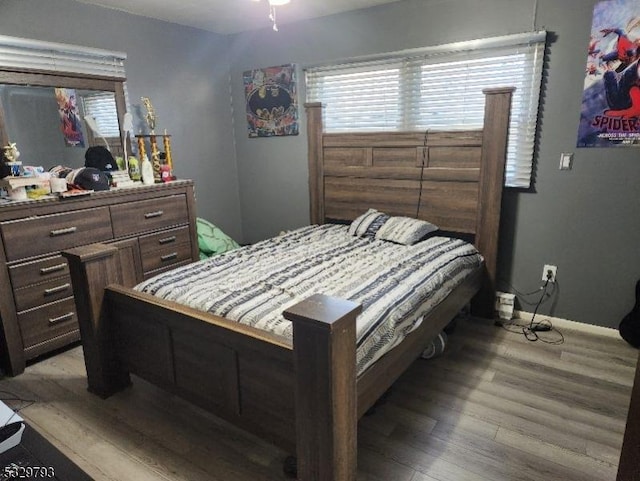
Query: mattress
x=396, y=284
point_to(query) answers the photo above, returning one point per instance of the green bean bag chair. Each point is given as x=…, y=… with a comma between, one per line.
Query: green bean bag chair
x=211, y=240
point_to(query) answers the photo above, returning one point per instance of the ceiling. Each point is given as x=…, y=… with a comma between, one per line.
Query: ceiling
x=232, y=16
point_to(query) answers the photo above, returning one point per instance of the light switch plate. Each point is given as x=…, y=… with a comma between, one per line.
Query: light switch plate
x=566, y=159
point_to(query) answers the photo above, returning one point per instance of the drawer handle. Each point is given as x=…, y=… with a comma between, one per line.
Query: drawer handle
x=64, y=317
x=50, y=269
x=168, y=257
x=167, y=240
x=55, y=290
x=68, y=230
x=151, y=215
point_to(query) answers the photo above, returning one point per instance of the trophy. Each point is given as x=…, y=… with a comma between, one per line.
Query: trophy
x=164, y=172
x=151, y=114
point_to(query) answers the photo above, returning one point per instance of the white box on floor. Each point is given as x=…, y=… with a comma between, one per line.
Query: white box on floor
x=11, y=428
x=505, y=303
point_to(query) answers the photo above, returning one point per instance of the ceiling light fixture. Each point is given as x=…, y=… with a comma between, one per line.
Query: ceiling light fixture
x=272, y=10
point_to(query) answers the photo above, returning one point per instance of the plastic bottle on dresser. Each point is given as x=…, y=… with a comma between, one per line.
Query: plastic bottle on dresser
x=146, y=169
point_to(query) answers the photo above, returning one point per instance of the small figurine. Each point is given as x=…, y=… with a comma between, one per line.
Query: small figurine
x=11, y=152
x=10, y=165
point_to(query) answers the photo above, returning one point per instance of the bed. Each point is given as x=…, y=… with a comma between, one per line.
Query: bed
x=306, y=392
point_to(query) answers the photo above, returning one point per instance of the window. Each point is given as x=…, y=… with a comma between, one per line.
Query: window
x=438, y=88
x=102, y=107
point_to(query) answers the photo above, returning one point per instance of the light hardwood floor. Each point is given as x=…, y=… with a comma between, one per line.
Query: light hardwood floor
x=493, y=407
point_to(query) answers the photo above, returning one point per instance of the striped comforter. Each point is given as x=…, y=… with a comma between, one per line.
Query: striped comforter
x=395, y=284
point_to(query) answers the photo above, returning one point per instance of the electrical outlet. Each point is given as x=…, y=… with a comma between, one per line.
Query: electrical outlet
x=549, y=269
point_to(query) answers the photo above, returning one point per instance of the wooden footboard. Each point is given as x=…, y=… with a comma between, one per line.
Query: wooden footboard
x=301, y=397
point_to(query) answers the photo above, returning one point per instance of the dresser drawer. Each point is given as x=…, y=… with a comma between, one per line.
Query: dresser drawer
x=38, y=294
x=166, y=256
x=38, y=271
x=164, y=239
x=150, y=274
x=46, y=322
x=50, y=233
x=147, y=215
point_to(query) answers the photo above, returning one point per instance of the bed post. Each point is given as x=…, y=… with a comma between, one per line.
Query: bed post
x=316, y=176
x=92, y=268
x=494, y=152
x=324, y=350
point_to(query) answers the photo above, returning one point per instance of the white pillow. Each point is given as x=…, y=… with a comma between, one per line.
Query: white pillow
x=404, y=230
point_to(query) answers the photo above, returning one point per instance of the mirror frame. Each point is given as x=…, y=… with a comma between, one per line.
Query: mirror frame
x=13, y=76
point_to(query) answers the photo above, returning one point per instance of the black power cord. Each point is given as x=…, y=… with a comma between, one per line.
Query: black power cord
x=523, y=296
x=422, y=167
x=532, y=330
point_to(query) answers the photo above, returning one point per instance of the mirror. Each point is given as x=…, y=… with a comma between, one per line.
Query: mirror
x=45, y=116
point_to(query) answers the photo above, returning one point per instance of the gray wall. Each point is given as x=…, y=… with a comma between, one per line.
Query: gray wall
x=585, y=220
x=184, y=71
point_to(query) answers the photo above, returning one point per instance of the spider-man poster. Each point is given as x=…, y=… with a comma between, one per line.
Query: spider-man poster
x=69, y=117
x=610, y=113
x=272, y=101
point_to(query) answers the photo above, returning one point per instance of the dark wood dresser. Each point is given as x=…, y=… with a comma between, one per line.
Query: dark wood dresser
x=155, y=223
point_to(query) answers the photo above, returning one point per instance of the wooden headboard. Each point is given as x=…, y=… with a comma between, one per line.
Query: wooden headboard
x=462, y=178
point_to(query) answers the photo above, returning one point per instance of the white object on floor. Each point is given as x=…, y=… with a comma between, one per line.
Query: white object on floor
x=9, y=437
x=505, y=303
x=436, y=347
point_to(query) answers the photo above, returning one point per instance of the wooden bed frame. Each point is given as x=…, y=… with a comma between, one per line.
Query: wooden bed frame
x=304, y=395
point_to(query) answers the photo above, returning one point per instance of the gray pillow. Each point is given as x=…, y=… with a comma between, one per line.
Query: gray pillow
x=404, y=230
x=368, y=224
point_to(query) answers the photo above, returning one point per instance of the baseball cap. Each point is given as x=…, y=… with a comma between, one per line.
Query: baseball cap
x=99, y=158
x=88, y=178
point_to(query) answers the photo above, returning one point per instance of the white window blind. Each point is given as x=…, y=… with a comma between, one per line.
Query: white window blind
x=438, y=88
x=102, y=107
x=30, y=54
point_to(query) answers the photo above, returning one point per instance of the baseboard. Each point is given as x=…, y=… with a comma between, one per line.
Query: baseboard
x=571, y=325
